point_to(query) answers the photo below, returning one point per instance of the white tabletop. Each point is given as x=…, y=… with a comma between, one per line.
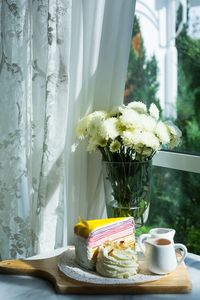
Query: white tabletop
x=31, y=288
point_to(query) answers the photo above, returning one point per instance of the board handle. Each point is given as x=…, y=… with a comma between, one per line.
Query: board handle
x=18, y=267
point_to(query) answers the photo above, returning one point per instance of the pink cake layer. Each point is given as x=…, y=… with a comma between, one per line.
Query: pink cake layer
x=120, y=230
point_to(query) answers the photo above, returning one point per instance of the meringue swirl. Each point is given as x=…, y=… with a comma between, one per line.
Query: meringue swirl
x=117, y=261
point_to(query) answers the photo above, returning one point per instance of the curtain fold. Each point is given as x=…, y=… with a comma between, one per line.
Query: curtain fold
x=58, y=61
x=101, y=59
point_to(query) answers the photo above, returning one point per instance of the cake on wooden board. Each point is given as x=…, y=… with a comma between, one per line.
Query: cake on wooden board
x=91, y=234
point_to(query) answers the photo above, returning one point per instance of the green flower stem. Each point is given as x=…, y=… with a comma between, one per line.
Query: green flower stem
x=130, y=185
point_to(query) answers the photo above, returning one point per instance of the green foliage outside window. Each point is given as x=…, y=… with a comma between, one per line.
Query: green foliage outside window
x=142, y=84
x=188, y=102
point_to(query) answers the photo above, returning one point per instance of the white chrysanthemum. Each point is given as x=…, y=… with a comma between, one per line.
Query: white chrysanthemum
x=122, y=108
x=139, y=138
x=109, y=128
x=162, y=132
x=82, y=126
x=101, y=142
x=147, y=123
x=154, y=112
x=130, y=118
x=94, y=142
x=128, y=138
x=92, y=146
x=176, y=134
x=174, y=130
x=94, y=126
x=148, y=139
x=140, y=107
x=143, y=142
x=174, y=143
x=115, y=146
x=99, y=113
x=137, y=129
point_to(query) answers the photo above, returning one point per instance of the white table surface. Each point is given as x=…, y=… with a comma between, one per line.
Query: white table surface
x=31, y=288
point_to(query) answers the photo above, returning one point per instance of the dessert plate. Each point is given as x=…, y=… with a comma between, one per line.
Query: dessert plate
x=70, y=268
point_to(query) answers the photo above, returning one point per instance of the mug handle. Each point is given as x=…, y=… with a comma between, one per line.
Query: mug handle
x=183, y=255
x=141, y=240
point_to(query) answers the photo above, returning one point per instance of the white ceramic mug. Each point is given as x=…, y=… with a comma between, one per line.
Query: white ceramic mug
x=166, y=233
x=160, y=255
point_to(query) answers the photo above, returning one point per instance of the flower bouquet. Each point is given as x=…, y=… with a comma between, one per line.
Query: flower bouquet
x=127, y=137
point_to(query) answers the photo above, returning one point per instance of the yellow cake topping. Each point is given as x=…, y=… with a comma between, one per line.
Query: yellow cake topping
x=84, y=228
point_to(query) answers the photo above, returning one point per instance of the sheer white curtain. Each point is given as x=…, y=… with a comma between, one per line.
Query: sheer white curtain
x=34, y=87
x=58, y=61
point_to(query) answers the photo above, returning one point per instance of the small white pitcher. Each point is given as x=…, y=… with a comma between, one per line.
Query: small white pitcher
x=166, y=233
x=160, y=255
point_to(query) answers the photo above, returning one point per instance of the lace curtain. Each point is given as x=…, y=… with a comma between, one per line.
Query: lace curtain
x=59, y=59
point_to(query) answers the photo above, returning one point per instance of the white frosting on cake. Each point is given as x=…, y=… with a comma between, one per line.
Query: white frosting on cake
x=117, y=262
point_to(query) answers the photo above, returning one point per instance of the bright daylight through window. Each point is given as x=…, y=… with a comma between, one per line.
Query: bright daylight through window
x=164, y=68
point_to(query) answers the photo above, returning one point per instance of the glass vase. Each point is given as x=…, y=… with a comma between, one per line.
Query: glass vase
x=127, y=189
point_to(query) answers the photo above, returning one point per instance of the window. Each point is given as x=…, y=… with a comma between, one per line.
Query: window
x=164, y=68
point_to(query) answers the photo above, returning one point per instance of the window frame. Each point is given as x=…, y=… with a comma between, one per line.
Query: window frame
x=177, y=160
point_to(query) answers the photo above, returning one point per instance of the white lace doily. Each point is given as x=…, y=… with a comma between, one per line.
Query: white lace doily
x=70, y=268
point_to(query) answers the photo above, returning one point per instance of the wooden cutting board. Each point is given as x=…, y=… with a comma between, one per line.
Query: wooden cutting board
x=176, y=282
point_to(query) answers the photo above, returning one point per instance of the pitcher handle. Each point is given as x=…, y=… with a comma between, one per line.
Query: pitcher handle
x=183, y=254
x=141, y=240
